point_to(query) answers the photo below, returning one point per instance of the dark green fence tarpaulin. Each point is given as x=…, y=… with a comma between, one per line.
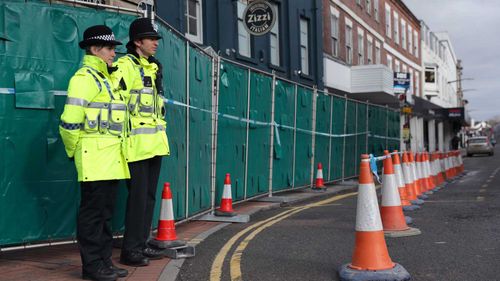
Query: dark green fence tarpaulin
x=39, y=194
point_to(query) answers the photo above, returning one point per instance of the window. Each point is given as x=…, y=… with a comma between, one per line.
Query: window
x=396, y=28
x=369, y=49
x=193, y=21
x=348, y=43
x=398, y=66
x=410, y=39
x=361, y=48
x=403, y=34
x=334, y=22
x=244, y=39
x=377, y=52
x=417, y=84
x=404, y=68
x=274, y=39
x=415, y=43
x=388, y=21
x=430, y=75
x=375, y=10
x=304, y=45
x=369, y=6
x=389, y=62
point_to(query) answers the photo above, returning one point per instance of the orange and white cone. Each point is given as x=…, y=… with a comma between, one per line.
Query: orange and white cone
x=417, y=179
x=391, y=211
x=371, y=260
x=409, y=177
x=426, y=173
x=166, y=236
x=430, y=174
x=320, y=184
x=226, y=203
x=398, y=172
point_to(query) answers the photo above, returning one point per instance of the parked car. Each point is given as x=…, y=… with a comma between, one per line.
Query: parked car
x=479, y=145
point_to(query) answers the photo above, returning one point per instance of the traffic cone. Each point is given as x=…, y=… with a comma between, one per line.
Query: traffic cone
x=398, y=172
x=427, y=173
x=391, y=211
x=442, y=177
x=402, y=186
x=416, y=175
x=411, y=190
x=226, y=203
x=371, y=260
x=166, y=236
x=320, y=185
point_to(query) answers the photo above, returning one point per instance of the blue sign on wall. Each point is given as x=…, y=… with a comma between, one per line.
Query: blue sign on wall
x=401, y=82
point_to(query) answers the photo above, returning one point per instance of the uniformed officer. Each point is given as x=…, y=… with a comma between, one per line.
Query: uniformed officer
x=92, y=129
x=147, y=140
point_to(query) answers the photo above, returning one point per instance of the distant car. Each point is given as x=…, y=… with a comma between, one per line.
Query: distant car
x=479, y=145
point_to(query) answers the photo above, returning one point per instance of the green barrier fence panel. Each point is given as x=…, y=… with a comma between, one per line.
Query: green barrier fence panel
x=200, y=131
x=231, y=139
x=303, y=147
x=361, y=138
x=172, y=54
x=350, y=141
x=338, y=121
x=259, y=138
x=284, y=108
x=35, y=173
x=322, y=143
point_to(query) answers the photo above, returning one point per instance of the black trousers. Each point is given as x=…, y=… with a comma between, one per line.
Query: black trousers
x=142, y=188
x=94, y=233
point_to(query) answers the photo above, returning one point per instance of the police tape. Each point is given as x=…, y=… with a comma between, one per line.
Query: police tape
x=254, y=122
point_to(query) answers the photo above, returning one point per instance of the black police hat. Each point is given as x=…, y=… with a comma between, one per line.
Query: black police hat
x=98, y=35
x=143, y=28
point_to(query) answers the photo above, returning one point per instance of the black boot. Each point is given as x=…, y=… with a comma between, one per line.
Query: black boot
x=153, y=253
x=101, y=274
x=121, y=272
x=133, y=259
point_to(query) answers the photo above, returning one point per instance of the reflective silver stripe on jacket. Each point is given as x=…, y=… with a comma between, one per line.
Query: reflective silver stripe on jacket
x=148, y=109
x=115, y=127
x=98, y=105
x=147, y=131
x=76, y=101
x=118, y=106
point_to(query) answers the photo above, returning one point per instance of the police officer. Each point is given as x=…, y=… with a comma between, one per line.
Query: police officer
x=92, y=129
x=147, y=140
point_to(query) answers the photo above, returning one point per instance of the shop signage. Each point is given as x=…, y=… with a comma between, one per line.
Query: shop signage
x=406, y=109
x=259, y=17
x=401, y=82
x=457, y=112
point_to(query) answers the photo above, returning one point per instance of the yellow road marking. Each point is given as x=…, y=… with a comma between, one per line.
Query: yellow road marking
x=482, y=190
x=488, y=181
x=480, y=198
x=484, y=185
x=216, y=270
x=235, y=263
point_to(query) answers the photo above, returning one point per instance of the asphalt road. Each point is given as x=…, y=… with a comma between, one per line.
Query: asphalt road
x=460, y=237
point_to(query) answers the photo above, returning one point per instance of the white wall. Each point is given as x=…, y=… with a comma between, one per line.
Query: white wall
x=336, y=75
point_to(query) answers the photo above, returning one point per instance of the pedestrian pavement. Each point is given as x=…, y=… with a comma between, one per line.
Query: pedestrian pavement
x=62, y=262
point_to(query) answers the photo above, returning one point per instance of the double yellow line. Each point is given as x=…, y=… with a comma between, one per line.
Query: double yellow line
x=235, y=263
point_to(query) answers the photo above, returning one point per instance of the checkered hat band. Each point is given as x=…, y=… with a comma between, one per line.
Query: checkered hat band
x=106, y=37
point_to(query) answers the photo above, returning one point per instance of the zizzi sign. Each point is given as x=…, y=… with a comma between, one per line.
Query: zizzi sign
x=259, y=17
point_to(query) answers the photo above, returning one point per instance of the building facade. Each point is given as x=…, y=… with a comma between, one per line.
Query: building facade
x=441, y=93
x=365, y=42
x=293, y=48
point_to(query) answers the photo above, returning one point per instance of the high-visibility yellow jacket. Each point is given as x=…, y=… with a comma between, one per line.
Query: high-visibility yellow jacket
x=146, y=133
x=93, y=123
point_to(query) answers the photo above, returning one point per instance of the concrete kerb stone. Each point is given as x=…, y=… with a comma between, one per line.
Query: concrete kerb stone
x=172, y=269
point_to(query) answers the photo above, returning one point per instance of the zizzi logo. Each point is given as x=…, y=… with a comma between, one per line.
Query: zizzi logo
x=259, y=17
